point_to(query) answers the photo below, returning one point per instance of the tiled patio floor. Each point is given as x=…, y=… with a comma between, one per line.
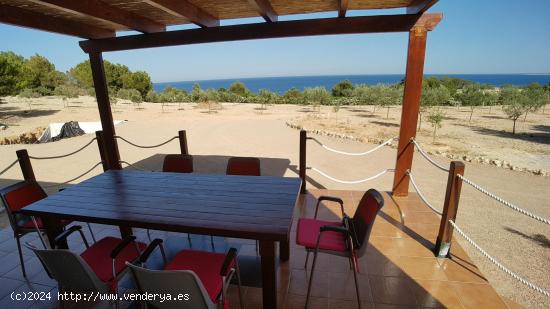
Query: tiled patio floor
x=399, y=269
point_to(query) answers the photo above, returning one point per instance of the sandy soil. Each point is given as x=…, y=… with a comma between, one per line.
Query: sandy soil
x=242, y=129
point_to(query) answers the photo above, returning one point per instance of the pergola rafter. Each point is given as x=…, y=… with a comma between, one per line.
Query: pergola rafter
x=188, y=10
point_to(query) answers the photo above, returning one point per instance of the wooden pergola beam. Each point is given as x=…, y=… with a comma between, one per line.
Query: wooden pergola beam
x=265, y=9
x=101, y=10
x=420, y=6
x=282, y=29
x=29, y=19
x=342, y=8
x=187, y=10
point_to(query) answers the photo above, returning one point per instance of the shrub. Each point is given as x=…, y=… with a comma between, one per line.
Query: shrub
x=343, y=89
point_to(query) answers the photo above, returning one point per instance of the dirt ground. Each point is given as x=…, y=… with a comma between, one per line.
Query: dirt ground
x=244, y=130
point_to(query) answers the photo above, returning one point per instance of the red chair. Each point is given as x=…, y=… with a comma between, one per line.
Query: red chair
x=96, y=269
x=348, y=238
x=244, y=166
x=178, y=163
x=205, y=276
x=14, y=198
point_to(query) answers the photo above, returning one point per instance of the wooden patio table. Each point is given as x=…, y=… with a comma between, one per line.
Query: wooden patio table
x=259, y=208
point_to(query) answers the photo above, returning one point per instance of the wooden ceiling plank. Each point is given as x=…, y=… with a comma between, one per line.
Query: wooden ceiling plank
x=29, y=19
x=282, y=29
x=186, y=9
x=342, y=8
x=101, y=10
x=265, y=9
x=420, y=6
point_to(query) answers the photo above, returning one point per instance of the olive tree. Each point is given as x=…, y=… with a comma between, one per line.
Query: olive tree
x=432, y=96
x=317, y=96
x=435, y=118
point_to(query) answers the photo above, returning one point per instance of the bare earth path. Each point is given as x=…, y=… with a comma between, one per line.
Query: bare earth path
x=517, y=241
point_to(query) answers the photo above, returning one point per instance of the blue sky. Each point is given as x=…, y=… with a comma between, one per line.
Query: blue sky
x=474, y=37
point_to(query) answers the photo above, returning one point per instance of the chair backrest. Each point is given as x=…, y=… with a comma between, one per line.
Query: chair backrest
x=178, y=163
x=70, y=271
x=172, y=282
x=19, y=195
x=363, y=219
x=244, y=166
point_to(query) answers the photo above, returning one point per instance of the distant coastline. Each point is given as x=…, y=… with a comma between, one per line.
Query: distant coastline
x=282, y=84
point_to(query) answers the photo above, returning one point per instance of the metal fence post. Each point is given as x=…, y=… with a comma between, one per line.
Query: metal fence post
x=302, y=170
x=25, y=164
x=183, y=142
x=452, y=197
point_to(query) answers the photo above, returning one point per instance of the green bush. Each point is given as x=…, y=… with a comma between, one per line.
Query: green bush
x=343, y=89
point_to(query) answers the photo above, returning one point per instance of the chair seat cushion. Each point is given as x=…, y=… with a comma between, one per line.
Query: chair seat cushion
x=26, y=223
x=99, y=259
x=206, y=265
x=308, y=231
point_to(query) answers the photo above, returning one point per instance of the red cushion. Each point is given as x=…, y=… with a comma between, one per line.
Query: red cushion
x=178, y=164
x=99, y=259
x=206, y=265
x=308, y=231
x=25, y=195
x=28, y=224
x=243, y=166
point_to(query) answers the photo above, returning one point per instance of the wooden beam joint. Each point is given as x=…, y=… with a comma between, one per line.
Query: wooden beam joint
x=265, y=9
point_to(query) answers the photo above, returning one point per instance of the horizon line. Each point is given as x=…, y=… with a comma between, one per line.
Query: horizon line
x=320, y=75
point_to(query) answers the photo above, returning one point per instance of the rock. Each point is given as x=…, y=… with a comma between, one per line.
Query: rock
x=497, y=163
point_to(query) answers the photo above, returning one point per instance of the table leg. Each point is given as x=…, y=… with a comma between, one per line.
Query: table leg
x=53, y=228
x=284, y=250
x=125, y=231
x=269, y=274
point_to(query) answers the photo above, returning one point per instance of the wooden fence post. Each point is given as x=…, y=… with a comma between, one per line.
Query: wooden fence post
x=25, y=164
x=183, y=142
x=101, y=146
x=302, y=171
x=450, y=208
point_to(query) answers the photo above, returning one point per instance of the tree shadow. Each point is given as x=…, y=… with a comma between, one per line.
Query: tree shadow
x=366, y=115
x=539, y=239
x=493, y=117
x=386, y=124
x=541, y=128
x=542, y=138
x=8, y=112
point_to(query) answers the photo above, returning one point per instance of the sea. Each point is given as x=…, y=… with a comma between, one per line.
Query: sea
x=282, y=84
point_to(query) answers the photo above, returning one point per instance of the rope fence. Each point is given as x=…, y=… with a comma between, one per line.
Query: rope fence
x=350, y=182
x=504, y=202
x=65, y=155
x=422, y=197
x=134, y=166
x=497, y=263
x=388, y=142
x=77, y=177
x=9, y=166
x=146, y=147
x=427, y=157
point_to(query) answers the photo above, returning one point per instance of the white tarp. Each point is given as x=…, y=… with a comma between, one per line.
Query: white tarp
x=88, y=127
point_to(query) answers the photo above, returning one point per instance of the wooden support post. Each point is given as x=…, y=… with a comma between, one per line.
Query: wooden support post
x=183, y=142
x=411, y=107
x=452, y=197
x=112, y=155
x=25, y=164
x=302, y=167
x=101, y=146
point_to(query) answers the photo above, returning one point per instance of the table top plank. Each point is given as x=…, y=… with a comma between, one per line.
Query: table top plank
x=234, y=206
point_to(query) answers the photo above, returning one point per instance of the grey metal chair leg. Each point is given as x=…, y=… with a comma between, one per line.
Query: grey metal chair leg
x=149, y=235
x=39, y=232
x=353, y=262
x=307, y=258
x=91, y=232
x=212, y=243
x=311, y=278
x=21, y=257
x=238, y=274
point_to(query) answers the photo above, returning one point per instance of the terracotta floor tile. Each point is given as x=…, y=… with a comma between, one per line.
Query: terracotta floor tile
x=421, y=217
x=342, y=286
x=299, y=281
x=473, y=295
x=392, y=290
x=389, y=306
x=384, y=228
x=461, y=271
x=298, y=302
x=436, y=294
x=420, y=268
x=348, y=304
